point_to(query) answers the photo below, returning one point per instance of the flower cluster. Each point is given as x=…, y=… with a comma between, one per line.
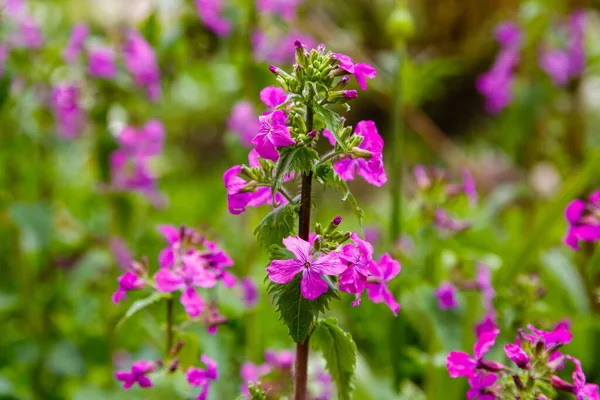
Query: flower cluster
x=275, y=376
x=583, y=219
x=210, y=12
x=536, y=356
x=130, y=163
x=23, y=30
x=70, y=118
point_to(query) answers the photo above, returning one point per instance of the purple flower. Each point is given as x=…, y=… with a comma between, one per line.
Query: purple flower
x=382, y=272
x=484, y=282
x=140, y=61
x=329, y=136
x=251, y=373
x=517, y=355
x=448, y=224
x=370, y=169
x=487, y=324
x=286, y=9
x=559, y=336
x=128, y=281
x=272, y=97
x=210, y=14
x=360, y=71
x=272, y=133
x=202, y=377
x=28, y=34
x=120, y=252
x=279, y=47
x=446, y=295
x=508, y=34
x=469, y=186
x=3, y=57
x=556, y=63
x=249, y=292
x=460, y=363
x=215, y=260
x=13, y=8
x=78, y=35
x=166, y=258
x=237, y=197
x=145, y=142
x=138, y=373
x=356, y=259
x=186, y=278
x=243, y=122
x=70, y=118
x=583, y=220
x=312, y=284
x=282, y=360
x=101, y=63
x=583, y=390
x=483, y=386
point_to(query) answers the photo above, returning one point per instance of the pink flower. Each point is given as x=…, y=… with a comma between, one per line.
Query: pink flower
x=517, y=355
x=483, y=386
x=460, y=363
x=283, y=360
x=3, y=57
x=469, y=186
x=286, y=9
x=583, y=390
x=140, y=60
x=446, y=295
x=277, y=47
x=249, y=292
x=203, y=377
x=70, y=118
x=559, y=336
x=487, y=324
x=356, y=259
x=508, y=34
x=244, y=122
x=312, y=284
x=28, y=34
x=78, y=35
x=210, y=14
x=382, y=272
x=447, y=224
x=120, y=252
x=138, y=373
x=237, y=197
x=186, y=278
x=360, y=71
x=272, y=97
x=272, y=133
x=583, y=220
x=252, y=373
x=128, y=281
x=215, y=260
x=371, y=169
x=101, y=63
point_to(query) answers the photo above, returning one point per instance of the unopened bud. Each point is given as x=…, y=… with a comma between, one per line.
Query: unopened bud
x=300, y=53
x=518, y=382
x=174, y=365
x=276, y=71
x=176, y=349
x=559, y=384
x=342, y=82
x=312, y=133
x=357, y=152
x=350, y=94
x=337, y=221
x=490, y=365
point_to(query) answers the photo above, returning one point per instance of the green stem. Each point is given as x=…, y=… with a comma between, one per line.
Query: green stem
x=396, y=150
x=169, y=326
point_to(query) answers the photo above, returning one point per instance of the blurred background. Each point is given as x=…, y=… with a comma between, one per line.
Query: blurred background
x=444, y=96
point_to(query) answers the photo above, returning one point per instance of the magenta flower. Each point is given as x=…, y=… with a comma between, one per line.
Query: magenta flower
x=244, y=122
x=460, y=363
x=445, y=223
x=583, y=220
x=202, y=377
x=487, y=324
x=128, y=281
x=144, y=142
x=469, y=186
x=101, y=63
x=329, y=136
x=483, y=386
x=210, y=13
x=186, y=278
x=140, y=61
x=583, y=390
x=120, y=252
x=215, y=260
x=272, y=97
x=237, y=197
x=559, y=336
x=382, y=272
x=286, y=9
x=272, y=133
x=508, y=34
x=138, y=373
x=70, y=118
x=484, y=282
x=517, y=355
x=556, y=63
x=360, y=71
x=356, y=259
x=370, y=169
x=277, y=47
x=446, y=295
x=172, y=235
x=249, y=292
x=28, y=34
x=283, y=360
x=78, y=35
x=252, y=373
x=312, y=284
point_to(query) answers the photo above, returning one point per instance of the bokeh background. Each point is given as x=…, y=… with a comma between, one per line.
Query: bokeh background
x=63, y=228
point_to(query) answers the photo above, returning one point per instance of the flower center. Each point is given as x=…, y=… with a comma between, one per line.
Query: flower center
x=307, y=265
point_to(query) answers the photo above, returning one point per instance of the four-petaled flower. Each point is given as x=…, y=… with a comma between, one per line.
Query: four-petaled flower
x=382, y=272
x=584, y=221
x=312, y=285
x=272, y=133
x=460, y=363
x=357, y=259
x=583, y=390
x=138, y=373
x=360, y=71
x=483, y=386
x=128, y=281
x=203, y=377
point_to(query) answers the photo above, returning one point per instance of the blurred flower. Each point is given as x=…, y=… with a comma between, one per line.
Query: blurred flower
x=460, y=363
x=252, y=373
x=382, y=272
x=372, y=234
x=78, y=35
x=286, y=9
x=483, y=386
x=70, y=118
x=370, y=169
x=446, y=295
x=249, y=292
x=582, y=389
x=283, y=359
x=356, y=260
x=272, y=133
x=128, y=281
x=213, y=319
x=202, y=377
x=120, y=252
x=13, y=8
x=3, y=58
x=312, y=284
x=361, y=71
x=517, y=355
x=583, y=221
x=244, y=122
x=210, y=14
x=28, y=34
x=277, y=47
x=444, y=222
x=555, y=62
x=140, y=60
x=469, y=186
x=508, y=34
x=138, y=373
x=101, y=63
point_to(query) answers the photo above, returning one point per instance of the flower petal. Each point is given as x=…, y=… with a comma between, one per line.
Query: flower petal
x=312, y=285
x=283, y=271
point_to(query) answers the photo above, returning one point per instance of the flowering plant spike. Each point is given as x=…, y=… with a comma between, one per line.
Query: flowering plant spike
x=313, y=265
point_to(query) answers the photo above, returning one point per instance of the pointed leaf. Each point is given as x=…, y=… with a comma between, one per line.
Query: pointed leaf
x=141, y=304
x=276, y=226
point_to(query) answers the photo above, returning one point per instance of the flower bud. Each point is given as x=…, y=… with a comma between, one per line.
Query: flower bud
x=333, y=225
x=301, y=58
x=490, y=365
x=312, y=133
x=342, y=82
x=518, y=382
x=559, y=384
x=357, y=152
x=337, y=220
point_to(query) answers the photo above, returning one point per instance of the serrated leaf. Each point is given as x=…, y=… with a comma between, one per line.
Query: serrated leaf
x=325, y=174
x=296, y=312
x=278, y=252
x=340, y=353
x=303, y=159
x=332, y=122
x=139, y=305
x=276, y=226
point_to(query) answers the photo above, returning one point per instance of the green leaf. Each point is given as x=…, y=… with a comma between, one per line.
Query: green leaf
x=339, y=351
x=35, y=223
x=325, y=175
x=141, y=304
x=297, y=312
x=276, y=226
x=299, y=159
x=303, y=159
x=332, y=121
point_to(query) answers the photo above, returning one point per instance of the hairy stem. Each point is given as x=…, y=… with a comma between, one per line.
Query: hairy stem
x=169, y=326
x=303, y=231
